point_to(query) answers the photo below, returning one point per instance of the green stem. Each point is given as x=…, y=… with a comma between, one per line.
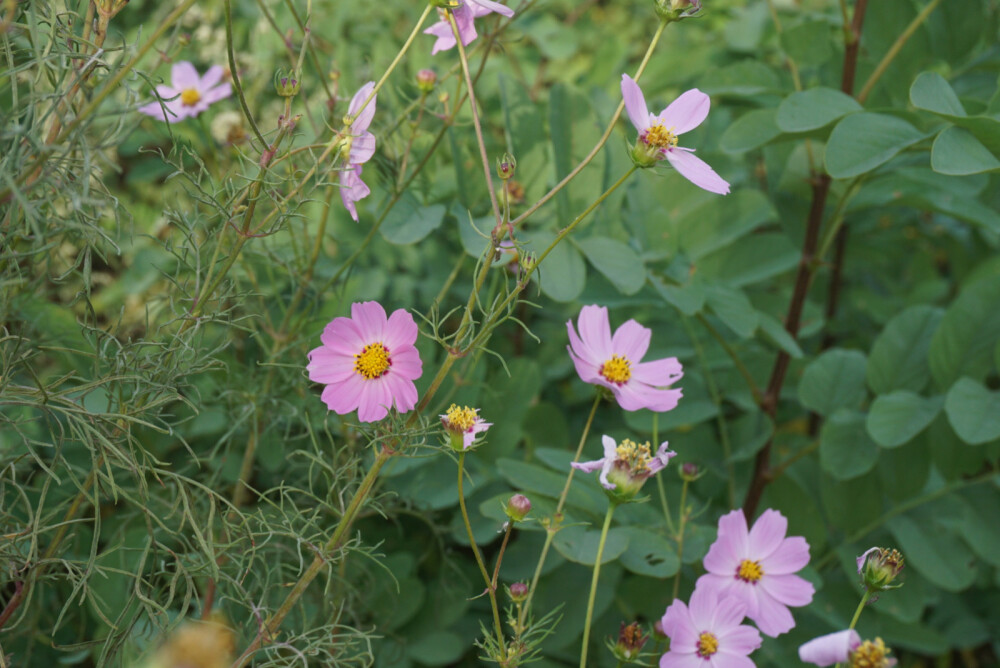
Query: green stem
x=659, y=479
x=593, y=584
x=894, y=50
x=857, y=613
x=490, y=588
x=682, y=524
x=234, y=72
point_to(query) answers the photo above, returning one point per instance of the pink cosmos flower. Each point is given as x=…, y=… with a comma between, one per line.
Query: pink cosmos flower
x=465, y=13
x=615, y=362
x=361, y=149
x=757, y=566
x=368, y=362
x=846, y=647
x=463, y=424
x=628, y=464
x=658, y=134
x=188, y=94
x=708, y=634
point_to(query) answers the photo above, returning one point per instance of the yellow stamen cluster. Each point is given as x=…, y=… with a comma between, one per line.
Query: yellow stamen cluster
x=658, y=136
x=634, y=456
x=708, y=645
x=373, y=361
x=461, y=419
x=617, y=370
x=871, y=655
x=750, y=571
x=190, y=97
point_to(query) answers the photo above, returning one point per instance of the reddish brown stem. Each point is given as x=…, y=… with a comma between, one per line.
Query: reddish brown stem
x=20, y=591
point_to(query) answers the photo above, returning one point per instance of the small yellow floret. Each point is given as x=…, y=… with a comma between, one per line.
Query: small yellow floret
x=708, y=645
x=870, y=655
x=373, y=361
x=634, y=455
x=617, y=370
x=461, y=419
x=190, y=97
x=750, y=571
x=658, y=136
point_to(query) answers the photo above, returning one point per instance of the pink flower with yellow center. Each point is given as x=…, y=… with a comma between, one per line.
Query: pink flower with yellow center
x=615, y=362
x=659, y=134
x=626, y=465
x=757, y=566
x=465, y=14
x=708, y=634
x=358, y=149
x=846, y=647
x=368, y=362
x=463, y=424
x=188, y=94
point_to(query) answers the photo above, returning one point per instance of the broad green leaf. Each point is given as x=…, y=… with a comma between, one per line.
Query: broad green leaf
x=579, y=544
x=898, y=358
x=957, y=152
x=973, y=411
x=937, y=554
x=620, y=264
x=751, y=130
x=904, y=470
x=980, y=528
x=743, y=79
x=561, y=128
x=963, y=344
x=813, y=109
x=563, y=274
x=688, y=299
x=649, y=554
x=755, y=258
x=733, y=308
x=931, y=92
x=409, y=221
x=865, y=141
x=835, y=379
x=533, y=478
x=845, y=451
x=808, y=43
x=437, y=648
x=721, y=220
x=851, y=504
x=772, y=329
x=797, y=501
x=896, y=418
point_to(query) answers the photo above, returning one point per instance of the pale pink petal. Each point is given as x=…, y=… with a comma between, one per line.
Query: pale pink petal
x=730, y=547
x=352, y=189
x=830, y=649
x=729, y=612
x=184, y=75
x=659, y=401
x=326, y=366
x=595, y=330
x=632, y=396
x=702, y=608
x=212, y=95
x=740, y=640
x=720, y=585
x=605, y=470
x=861, y=560
x=661, y=458
x=406, y=362
x=370, y=320
x=167, y=92
x=375, y=400
x=364, y=116
x=494, y=7
x=610, y=447
x=631, y=341
x=679, y=627
x=464, y=19
x=404, y=392
x=658, y=373
x=791, y=556
x=697, y=171
x=155, y=109
x=724, y=659
x=635, y=104
x=343, y=336
x=771, y=617
x=445, y=37
x=362, y=148
x=588, y=467
x=343, y=398
x=686, y=112
x=675, y=660
x=581, y=348
x=767, y=534
x=212, y=76
x=787, y=589
x=401, y=330
x=587, y=372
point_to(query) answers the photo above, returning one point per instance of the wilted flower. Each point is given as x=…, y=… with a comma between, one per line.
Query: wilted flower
x=188, y=94
x=658, y=134
x=518, y=507
x=626, y=466
x=197, y=644
x=631, y=640
x=368, y=362
x=708, y=634
x=358, y=148
x=878, y=567
x=615, y=362
x=463, y=424
x=846, y=646
x=757, y=566
x=464, y=13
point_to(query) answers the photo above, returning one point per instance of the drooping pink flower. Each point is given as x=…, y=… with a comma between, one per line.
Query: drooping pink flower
x=368, y=362
x=615, y=362
x=626, y=466
x=658, y=134
x=758, y=566
x=188, y=94
x=361, y=149
x=465, y=13
x=708, y=634
x=846, y=647
x=463, y=424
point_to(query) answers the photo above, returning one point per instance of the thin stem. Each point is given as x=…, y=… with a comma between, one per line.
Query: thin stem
x=659, y=479
x=857, y=614
x=740, y=366
x=234, y=72
x=593, y=584
x=503, y=547
x=682, y=524
x=894, y=50
x=490, y=587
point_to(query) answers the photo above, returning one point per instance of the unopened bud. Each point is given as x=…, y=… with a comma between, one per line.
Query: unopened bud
x=517, y=507
x=689, y=471
x=506, y=166
x=518, y=592
x=287, y=87
x=675, y=10
x=630, y=642
x=878, y=567
x=426, y=80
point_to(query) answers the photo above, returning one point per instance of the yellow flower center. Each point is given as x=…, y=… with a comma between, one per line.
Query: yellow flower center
x=461, y=419
x=708, y=645
x=634, y=456
x=373, y=361
x=190, y=97
x=750, y=571
x=658, y=136
x=870, y=655
x=617, y=370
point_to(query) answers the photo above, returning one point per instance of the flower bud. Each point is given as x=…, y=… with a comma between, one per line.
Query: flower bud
x=689, y=471
x=287, y=86
x=643, y=155
x=630, y=642
x=518, y=592
x=426, y=80
x=878, y=567
x=675, y=10
x=517, y=507
x=506, y=166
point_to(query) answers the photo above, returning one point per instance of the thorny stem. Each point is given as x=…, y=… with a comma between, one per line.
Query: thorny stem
x=593, y=584
x=682, y=524
x=490, y=584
